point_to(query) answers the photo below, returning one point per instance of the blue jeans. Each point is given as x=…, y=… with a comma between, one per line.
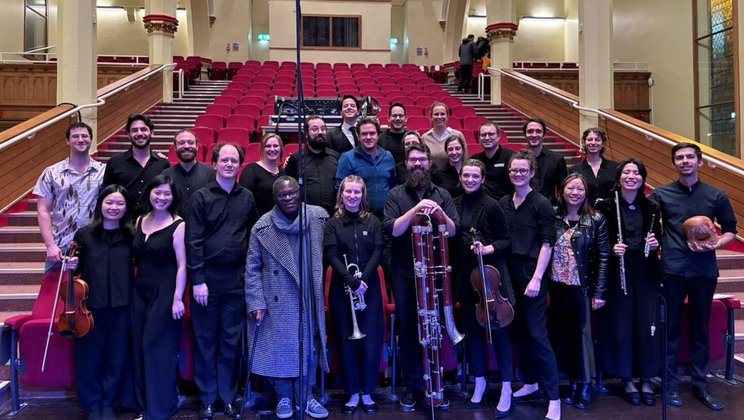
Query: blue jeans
x=284, y=386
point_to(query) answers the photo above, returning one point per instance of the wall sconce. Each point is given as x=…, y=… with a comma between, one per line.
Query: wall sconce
x=263, y=36
x=393, y=41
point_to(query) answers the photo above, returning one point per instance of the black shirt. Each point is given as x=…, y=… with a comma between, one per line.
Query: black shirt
x=393, y=143
x=217, y=234
x=550, y=173
x=678, y=203
x=531, y=224
x=261, y=183
x=188, y=182
x=106, y=264
x=360, y=239
x=448, y=178
x=601, y=185
x=497, y=182
x=401, y=199
x=123, y=169
x=320, y=173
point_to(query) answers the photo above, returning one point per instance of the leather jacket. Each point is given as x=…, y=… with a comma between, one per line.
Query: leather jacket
x=591, y=246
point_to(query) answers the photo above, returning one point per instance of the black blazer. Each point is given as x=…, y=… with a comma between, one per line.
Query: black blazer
x=338, y=141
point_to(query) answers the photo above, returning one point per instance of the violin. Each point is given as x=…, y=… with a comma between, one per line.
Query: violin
x=75, y=320
x=492, y=311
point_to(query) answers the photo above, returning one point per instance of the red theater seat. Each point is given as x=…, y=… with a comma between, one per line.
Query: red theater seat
x=213, y=121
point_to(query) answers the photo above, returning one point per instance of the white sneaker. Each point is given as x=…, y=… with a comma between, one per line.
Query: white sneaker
x=284, y=409
x=315, y=409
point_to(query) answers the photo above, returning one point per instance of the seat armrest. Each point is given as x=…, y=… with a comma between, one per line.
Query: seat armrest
x=731, y=302
x=16, y=322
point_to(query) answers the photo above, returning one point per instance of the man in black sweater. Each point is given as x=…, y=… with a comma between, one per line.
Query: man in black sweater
x=320, y=165
x=221, y=216
x=551, y=167
x=391, y=139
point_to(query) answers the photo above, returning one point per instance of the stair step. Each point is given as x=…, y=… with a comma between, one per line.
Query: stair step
x=22, y=252
x=730, y=280
x=22, y=218
x=729, y=259
x=10, y=234
x=18, y=297
x=21, y=273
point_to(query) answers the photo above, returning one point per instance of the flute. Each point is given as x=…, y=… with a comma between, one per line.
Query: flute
x=647, y=247
x=623, y=284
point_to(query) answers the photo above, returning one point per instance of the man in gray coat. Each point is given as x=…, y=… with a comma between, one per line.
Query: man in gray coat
x=272, y=295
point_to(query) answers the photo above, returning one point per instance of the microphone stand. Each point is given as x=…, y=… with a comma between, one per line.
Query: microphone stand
x=663, y=324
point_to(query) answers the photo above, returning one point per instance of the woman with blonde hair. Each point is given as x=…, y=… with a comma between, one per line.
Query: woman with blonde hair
x=259, y=176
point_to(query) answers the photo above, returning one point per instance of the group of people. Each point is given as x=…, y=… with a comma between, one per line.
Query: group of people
x=254, y=252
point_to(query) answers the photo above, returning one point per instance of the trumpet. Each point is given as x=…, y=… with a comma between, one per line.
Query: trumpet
x=356, y=301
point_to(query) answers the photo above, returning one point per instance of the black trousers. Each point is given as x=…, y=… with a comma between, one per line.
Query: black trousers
x=570, y=329
x=217, y=330
x=699, y=292
x=476, y=336
x=466, y=77
x=102, y=358
x=155, y=338
x=404, y=292
x=530, y=330
x=360, y=359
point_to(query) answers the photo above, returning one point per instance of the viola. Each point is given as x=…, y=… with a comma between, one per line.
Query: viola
x=492, y=311
x=76, y=320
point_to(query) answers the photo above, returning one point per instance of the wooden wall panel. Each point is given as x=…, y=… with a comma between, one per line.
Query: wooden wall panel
x=22, y=163
x=656, y=155
x=27, y=90
x=631, y=91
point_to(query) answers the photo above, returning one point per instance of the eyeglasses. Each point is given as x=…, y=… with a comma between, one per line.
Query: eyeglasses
x=287, y=194
x=418, y=160
x=392, y=116
x=520, y=171
x=488, y=134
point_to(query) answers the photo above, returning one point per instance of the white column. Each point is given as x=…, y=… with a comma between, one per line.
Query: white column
x=596, y=81
x=161, y=25
x=501, y=30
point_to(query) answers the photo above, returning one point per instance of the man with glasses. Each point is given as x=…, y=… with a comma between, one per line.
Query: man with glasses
x=320, y=165
x=418, y=194
x=391, y=139
x=221, y=216
x=275, y=270
x=371, y=162
x=551, y=167
x=496, y=160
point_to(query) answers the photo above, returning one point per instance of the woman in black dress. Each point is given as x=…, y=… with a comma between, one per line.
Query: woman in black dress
x=628, y=336
x=448, y=176
x=530, y=217
x=105, y=263
x=478, y=210
x=598, y=172
x=158, y=307
x=259, y=176
x=354, y=236
x=578, y=277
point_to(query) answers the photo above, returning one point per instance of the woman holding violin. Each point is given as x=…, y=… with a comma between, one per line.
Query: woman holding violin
x=105, y=262
x=628, y=340
x=482, y=214
x=158, y=299
x=353, y=247
x=578, y=276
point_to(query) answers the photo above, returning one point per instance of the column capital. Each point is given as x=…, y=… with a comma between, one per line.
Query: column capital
x=501, y=30
x=163, y=24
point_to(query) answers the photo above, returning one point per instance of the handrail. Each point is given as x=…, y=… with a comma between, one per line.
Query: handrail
x=647, y=133
x=100, y=101
x=48, y=47
x=481, y=85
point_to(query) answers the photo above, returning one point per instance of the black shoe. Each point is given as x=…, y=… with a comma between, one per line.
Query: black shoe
x=139, y=416
x=348, y=409
x=474, y=405
x=583, y=396
x=673, y=397
x=206, y=413
x=444, y=405
x=408, y=402
x=632, y=396
x=230, y=411
x=704, y=396
x=498, y=414
x=648, y=398
x=568, y=398
x=370, y=408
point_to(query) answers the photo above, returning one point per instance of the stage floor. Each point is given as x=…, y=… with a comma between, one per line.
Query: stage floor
x=603, y=407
